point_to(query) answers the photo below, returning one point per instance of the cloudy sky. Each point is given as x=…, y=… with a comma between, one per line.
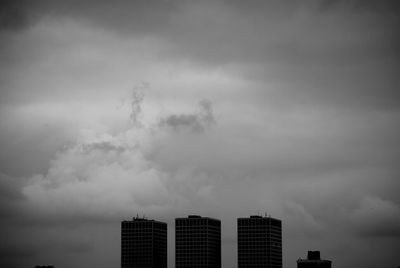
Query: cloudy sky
x=218, y=108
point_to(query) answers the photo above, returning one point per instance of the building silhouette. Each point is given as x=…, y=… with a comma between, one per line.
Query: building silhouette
x=259, y=242
x=143, y=244
x=313, y=261
x=197, y=242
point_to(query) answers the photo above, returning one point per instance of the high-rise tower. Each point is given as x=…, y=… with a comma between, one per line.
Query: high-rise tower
x=259, y=242
x=143, y=244
x=197, y=242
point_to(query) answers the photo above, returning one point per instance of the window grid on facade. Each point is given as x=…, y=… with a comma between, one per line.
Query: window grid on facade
x=143, y=244
x=197, y=242
x=259, y=242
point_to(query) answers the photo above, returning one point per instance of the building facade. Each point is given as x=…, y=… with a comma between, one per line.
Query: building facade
x=197, y=242
x=313, y=261
x=259, y=242
x=143, y=244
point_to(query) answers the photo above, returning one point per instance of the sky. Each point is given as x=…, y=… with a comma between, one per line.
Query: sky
x=226, y=109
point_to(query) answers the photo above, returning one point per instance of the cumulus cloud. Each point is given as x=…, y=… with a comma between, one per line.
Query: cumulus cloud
x=98, y=179
x=187, y=163
x=103, y=175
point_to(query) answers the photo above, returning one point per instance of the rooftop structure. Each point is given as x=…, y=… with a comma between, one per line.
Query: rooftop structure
x=313, y=261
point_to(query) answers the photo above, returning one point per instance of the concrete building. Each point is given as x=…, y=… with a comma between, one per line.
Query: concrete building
x=259, y=242
x=143, y=244
x=197, y=242
x=313, y=261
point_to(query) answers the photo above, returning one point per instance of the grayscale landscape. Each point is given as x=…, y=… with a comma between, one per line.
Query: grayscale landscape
x=160, y=109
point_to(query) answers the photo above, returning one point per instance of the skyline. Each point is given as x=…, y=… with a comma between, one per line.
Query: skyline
x=223, y=108
x=198, y=242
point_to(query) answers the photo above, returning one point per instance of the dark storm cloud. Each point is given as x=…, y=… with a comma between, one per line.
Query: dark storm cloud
x=103, y=146
x=339, y=53
x=136, y=16
x=11, y=196
x=376, y=217
x=10, y=187
x=197, y=122
x=264, y=26
x=343, y=56
x=385, y=6
x=27, y=245
x=8, y=253
x=13, y=15
x=380, y=227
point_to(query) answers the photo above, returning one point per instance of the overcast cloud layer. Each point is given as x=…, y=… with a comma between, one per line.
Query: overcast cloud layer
x=225, y=109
